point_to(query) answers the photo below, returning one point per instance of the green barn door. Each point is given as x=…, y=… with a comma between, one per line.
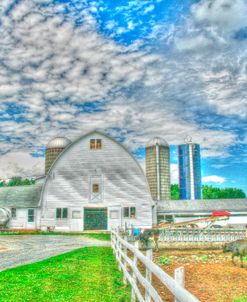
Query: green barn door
x=95, y=219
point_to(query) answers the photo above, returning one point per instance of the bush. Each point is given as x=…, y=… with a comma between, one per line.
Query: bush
x=164, y=260
x=203, y=257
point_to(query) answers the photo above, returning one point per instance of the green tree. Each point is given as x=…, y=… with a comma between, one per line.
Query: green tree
x=18, y=181
x=175, y=191
x=14, y=181
x=209, y=192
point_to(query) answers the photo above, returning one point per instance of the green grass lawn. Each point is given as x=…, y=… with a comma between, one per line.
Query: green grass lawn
x=88, y=275
x=99, y=236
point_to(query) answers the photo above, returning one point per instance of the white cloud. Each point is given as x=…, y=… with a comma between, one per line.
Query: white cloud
x=52, y=68
x=148, y=9
x=193, y=43
x=227, y=14
x=209, y=58
x=214, y=179
x=20, y=164
x=60, y=61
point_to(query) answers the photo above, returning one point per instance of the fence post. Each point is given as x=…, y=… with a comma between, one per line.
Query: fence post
x=149, y=255
x=133, y=295
x=179, y=277
x=113, y=243
x=124, y=262
x=119, y=255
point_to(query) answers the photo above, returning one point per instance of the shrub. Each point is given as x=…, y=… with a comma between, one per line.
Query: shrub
x=203, y=257
x=164, y=260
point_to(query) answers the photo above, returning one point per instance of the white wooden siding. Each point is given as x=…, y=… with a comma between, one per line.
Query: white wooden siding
x=20, y=221
x=122, y=183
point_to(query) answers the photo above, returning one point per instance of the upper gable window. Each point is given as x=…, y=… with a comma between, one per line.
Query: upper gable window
x=95, y=188
x=95, y=144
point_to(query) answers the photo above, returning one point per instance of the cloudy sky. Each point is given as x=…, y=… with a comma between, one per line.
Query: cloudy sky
x=135, y=69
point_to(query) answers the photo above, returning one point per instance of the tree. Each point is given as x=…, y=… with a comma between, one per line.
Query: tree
x=175, y=191
x=209, y=192
x=17, y=181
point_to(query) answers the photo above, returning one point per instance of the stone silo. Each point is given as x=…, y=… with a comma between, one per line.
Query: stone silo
x=158, y=168
x=53, y=149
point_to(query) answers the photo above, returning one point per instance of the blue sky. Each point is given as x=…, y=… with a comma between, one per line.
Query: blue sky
x=135, y=69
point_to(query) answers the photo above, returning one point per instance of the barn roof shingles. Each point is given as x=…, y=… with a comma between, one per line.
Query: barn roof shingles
x=20, y=196
x=204, y=205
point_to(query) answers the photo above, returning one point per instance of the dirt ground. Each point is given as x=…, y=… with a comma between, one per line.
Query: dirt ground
x=209, y=275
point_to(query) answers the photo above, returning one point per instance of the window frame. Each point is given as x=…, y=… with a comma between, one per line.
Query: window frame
x=114, y=214
x=126, y=212
x=13, y=213
x=92, y=144
x=95, y=144
x=129, y=212
x=30, y=215
x=77, y=216
x=98, y=144
x=134, y=214
x=62, y=213
x=93, y=188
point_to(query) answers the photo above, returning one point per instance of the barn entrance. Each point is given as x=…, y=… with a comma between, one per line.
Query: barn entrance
x=95, y=219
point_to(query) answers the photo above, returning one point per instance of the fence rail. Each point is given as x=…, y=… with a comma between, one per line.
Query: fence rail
x=133, y=276
x=200, y=235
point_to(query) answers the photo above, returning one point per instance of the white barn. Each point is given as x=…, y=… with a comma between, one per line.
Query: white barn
x=95, y=183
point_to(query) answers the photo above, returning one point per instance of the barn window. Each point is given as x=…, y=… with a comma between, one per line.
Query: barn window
x=76, y=215
x=114, y=214
x=13, y=212
x=95, y=144
x=129, y=212
x=98, y=144
x=126, y=212
x=95, y=188
x=30, y=216
x=62, y=213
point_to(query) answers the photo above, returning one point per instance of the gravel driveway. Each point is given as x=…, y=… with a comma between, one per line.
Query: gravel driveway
x=23, y=249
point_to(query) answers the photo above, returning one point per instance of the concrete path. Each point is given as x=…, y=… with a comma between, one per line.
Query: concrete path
x=22, y=249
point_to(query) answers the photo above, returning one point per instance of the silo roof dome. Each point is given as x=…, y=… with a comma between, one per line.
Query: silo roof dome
x=157, y=141
x=58, y=142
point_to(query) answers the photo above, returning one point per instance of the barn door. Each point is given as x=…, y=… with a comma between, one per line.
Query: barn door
x=95, y=219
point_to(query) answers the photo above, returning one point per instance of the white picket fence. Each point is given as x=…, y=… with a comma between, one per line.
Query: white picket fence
x=196, y=235
x=133, y=276
x=201, y=235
